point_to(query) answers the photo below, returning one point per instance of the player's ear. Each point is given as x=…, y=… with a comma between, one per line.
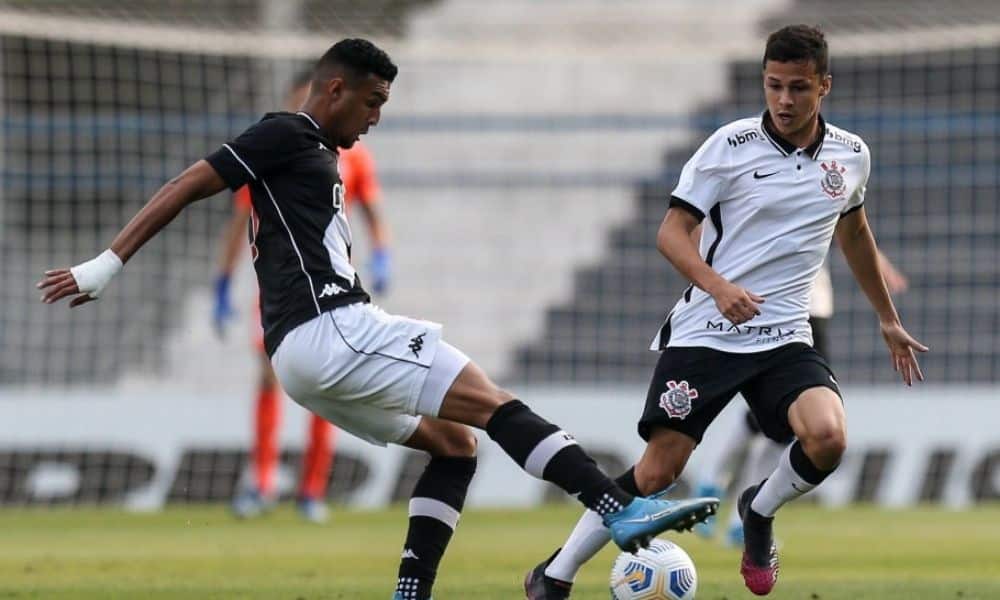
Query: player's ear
x=825, y=84
x=335, y=88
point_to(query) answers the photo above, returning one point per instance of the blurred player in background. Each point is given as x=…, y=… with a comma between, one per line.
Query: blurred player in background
x=762, y=453
x=385, y=378
x=775, y=189
x=357, y=170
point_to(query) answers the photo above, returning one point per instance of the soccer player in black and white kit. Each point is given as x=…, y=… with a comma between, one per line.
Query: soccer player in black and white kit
x=384, y=378
x=775, y=189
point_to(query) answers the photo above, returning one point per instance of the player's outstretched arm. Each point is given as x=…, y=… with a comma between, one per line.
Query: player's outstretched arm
x=87, y=280
x=858, y=245
x=676, y=241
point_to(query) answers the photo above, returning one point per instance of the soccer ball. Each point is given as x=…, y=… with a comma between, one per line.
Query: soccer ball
x=663, y=571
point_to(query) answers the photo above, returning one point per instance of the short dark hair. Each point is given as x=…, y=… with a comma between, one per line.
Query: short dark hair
x=358, y=57
x=798, y=43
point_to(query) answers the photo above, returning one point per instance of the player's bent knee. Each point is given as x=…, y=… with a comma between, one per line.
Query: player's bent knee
x=461, y=443
x=825, y=445
x=443, y=438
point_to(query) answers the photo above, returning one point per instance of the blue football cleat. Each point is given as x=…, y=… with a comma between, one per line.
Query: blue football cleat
x=706, y=528
x=312, y=509
x=634, y=526
x=252, y=503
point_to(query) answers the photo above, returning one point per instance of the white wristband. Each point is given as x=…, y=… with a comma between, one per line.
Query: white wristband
x=95, y=274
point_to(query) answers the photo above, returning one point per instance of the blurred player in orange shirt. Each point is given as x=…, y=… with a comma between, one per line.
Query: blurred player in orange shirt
x=357, y=170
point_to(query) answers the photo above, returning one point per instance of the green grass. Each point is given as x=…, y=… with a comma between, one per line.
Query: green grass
x=200, y=552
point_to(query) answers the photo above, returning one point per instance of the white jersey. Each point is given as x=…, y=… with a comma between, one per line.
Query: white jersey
x=772, y=209
x=821, y=300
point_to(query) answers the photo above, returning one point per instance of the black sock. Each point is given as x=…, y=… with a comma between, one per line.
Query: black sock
x=805, y=467
x=626, y=481
x=547, y=452
x=434, y=510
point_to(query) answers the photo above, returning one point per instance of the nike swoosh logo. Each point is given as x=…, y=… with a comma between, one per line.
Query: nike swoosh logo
x=648, y=518
x=757, y=175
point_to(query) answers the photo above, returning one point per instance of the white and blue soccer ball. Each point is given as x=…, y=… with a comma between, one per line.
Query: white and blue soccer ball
x=663, y=571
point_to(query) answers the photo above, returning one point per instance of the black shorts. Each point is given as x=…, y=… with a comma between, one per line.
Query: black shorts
x=821, y=338
x=691, y=386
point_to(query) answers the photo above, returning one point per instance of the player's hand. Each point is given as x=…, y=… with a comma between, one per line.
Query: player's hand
x=87, y=280
x=901, y=348
x=736, y=304
x=381, y=269
x=59, y=283
x=223, y=310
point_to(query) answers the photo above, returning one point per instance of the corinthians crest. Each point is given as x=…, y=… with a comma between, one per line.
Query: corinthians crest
x=676, y=401
x=833, y=182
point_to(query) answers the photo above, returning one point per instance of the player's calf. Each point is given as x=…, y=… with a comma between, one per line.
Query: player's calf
x=435, y=507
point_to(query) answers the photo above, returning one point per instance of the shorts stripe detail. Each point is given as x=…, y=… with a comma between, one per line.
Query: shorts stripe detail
x=435, y=509
x=540, y=456
x=356, y=351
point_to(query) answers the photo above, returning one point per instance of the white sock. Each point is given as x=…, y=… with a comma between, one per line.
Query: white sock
x=783, y=485
x=762, y=457
x=587, y=539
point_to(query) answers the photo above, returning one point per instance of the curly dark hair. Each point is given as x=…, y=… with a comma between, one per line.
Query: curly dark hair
x=359, y=58
x=798, y=43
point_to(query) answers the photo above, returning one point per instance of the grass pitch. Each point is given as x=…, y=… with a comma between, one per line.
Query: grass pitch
x=201, y=552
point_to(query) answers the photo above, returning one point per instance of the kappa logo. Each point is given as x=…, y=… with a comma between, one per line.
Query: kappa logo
x=408, y=553
x=417, y=344
x=676, y=401
x=833, y=182
x=331, y=289
x=322, y=147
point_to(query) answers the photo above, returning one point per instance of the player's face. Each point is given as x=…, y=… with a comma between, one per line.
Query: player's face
x=355, y=108
x=794, y=91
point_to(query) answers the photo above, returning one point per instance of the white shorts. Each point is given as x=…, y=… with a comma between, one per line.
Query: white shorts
x=370, y=373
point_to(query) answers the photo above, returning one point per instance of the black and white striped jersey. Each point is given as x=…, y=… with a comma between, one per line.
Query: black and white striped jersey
x=299, y=236
x=771, y=213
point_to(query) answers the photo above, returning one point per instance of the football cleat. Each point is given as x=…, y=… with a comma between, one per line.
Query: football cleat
x=539, y=586
x=312, y=509
x=706, y=529
x=634, y=526
x=251, y=503
x=759, y=566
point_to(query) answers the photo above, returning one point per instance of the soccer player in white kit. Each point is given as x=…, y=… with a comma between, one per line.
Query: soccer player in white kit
x=384, y=378
x=776, y=188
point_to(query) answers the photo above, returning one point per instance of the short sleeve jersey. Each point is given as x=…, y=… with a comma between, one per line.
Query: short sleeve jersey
x=772, y=210
x=300, y=237
x=357, y=171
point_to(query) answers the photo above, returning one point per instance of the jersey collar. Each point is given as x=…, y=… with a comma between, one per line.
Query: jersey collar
x=786, y=147
x=311, y=120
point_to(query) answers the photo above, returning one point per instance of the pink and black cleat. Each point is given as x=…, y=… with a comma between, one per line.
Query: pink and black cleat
x=760, y=556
